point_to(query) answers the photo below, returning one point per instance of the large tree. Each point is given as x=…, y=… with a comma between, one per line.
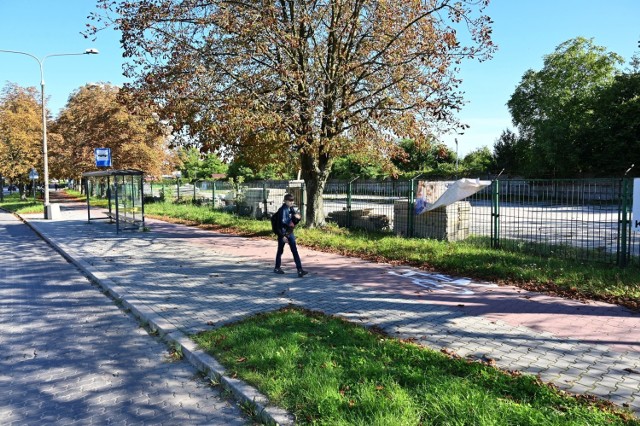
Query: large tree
x=553, y=106
x=512, y=154
x=196, y=165
x=613, y=136
x=416, y=157
x=315, y=79
x=20, y=133
x=479, y=162
x=96, y=117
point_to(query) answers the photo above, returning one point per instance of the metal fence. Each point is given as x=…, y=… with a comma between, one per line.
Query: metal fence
x=581, y=219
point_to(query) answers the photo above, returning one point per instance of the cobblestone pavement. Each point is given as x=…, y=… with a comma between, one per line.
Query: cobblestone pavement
x=71, y=356
x=190, y=279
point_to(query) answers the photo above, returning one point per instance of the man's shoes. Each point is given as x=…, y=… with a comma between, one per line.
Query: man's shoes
x=302, y=273
x=278, y=271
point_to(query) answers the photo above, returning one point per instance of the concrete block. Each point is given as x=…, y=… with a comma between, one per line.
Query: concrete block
x=52, y=211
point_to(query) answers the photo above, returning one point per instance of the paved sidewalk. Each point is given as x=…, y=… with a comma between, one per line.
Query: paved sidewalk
x=183, y=280
x=71, y=356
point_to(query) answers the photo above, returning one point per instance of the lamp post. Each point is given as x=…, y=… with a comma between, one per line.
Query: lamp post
x=47, y=207
x=456, y=139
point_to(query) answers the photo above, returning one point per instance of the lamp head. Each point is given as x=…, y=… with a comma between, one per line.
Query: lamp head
x=91, y=51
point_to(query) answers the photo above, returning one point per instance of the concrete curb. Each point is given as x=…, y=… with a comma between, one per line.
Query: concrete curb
x=168, y=333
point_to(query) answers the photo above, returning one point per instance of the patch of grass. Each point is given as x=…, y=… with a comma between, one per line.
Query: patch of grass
x=95, y=201
x=327, y=371
x=13, y=203
x=472, y=258
x=175, y=352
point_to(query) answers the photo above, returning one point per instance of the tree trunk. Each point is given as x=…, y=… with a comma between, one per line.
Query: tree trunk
x=315, y=175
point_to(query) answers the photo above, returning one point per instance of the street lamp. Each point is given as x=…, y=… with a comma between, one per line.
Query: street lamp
x=47, y=207
x=456, y=139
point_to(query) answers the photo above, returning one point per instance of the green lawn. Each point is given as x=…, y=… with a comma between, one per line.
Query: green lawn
x=13, y=203
x=326, y=371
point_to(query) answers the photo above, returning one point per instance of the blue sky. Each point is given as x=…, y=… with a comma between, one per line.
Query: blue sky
x=525, y=31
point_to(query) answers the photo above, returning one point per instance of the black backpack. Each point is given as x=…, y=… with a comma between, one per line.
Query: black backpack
x=276, y=226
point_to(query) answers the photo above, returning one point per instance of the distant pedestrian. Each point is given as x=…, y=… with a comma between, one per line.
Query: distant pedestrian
x=286, y=220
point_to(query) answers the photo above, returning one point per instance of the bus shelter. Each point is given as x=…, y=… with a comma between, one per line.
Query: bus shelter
x=124, y=192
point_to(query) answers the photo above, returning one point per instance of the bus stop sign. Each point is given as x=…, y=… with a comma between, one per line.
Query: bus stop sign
x=103, y=157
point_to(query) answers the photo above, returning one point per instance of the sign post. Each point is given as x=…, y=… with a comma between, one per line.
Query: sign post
x=33, y=175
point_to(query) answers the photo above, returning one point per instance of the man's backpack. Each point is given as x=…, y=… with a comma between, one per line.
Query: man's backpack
x=276, y=226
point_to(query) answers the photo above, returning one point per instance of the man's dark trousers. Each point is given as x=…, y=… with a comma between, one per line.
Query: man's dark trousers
x=294, y=250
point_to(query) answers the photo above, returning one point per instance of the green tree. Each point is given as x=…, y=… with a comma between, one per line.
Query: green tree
x=352, y=166
x=197, y=166
x=551, y=107
x=511, y=154
x=478, y=162
x=239, y=169
x=190, y=162
x=274, y=171
x=614, y=133
x=213, y=164
x=318, y=80
x=20, y=134
x=423, y=156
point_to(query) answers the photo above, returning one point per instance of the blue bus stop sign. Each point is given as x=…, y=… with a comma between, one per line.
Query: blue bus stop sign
x=103, y=157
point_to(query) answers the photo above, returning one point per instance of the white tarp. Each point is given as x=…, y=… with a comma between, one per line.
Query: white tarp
x=635, y=210
x=449, y=193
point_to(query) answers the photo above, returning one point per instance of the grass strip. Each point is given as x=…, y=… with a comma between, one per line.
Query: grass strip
x=326, y=371
x=13, y=203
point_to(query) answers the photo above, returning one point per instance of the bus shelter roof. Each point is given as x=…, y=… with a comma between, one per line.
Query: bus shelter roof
x=124, y=172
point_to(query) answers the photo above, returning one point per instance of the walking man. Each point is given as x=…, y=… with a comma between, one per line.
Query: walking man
x=286, y=218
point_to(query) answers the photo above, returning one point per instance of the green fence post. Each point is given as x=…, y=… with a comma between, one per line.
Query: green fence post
x=142, y=199
x=411, y=205
x=213, y=194
x=623, y=224
x=302, y=203
x=495, y=214
x=349, y=189
x=264, y=198
x=410, y=208
x=85, y=184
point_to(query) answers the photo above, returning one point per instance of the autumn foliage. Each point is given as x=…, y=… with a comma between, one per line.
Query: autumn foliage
x=95, y=117
x=298, y=81
x=20, y=133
